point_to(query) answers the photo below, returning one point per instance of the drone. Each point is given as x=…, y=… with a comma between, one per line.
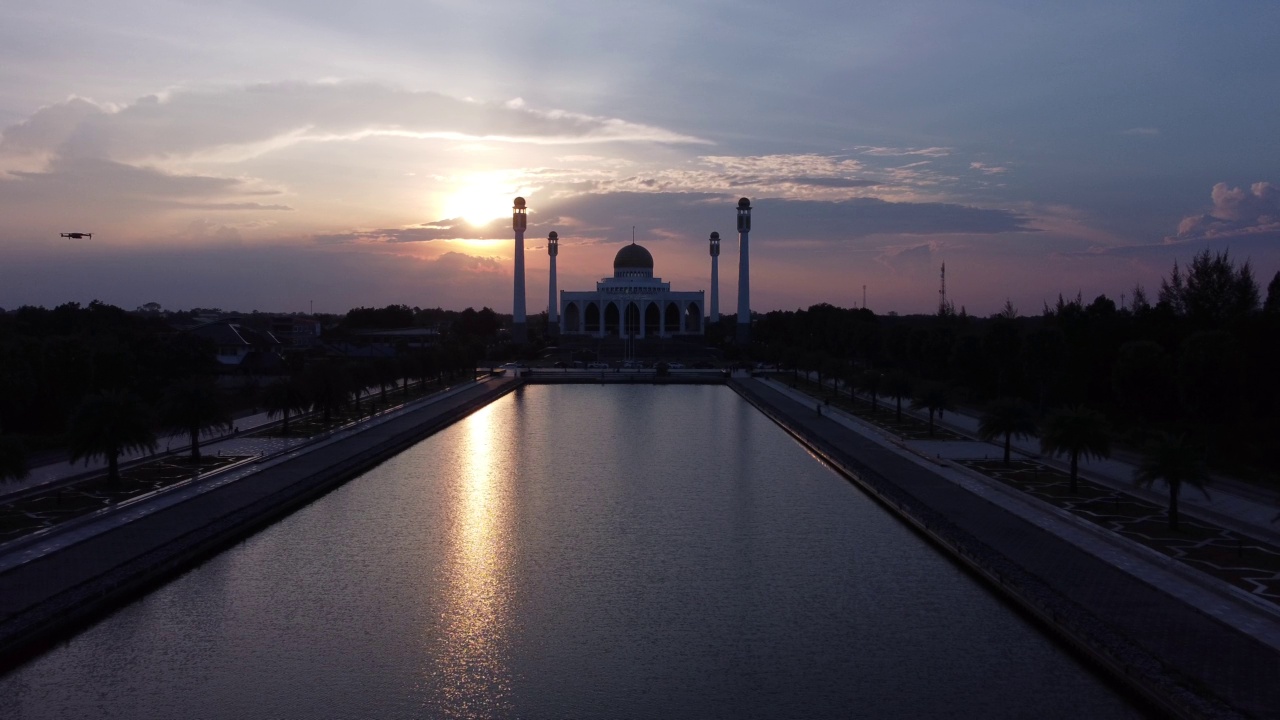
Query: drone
x=77, y=236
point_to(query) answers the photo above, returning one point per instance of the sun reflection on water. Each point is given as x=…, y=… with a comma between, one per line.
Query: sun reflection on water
x=471, y=672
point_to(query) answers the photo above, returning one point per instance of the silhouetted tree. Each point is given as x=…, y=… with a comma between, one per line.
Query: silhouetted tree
x=934, y=397
x=1076, y=432
x=385, y=371
x=194, y=406
x=1210, y=371
x=1142, y=379
x=285, y=397
x=13, y=459
x=1007, y=417
x=328, y=388
x=873, y=383
x=898, y=386
x=107, y=424
x=1272, y=304
x=1213, y=290
x=1176, y=462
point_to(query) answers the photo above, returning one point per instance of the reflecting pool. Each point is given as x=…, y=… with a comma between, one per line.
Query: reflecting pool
x=574, y=551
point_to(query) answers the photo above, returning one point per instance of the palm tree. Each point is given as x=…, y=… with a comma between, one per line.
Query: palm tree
x=13, y=459
x=282, y=398
x=108, y=424
x=1174, y=461
x=1007, y=417
x=359, y=376
x=194, y=406
x=1074, y=432
x=935, y=398
x=898, y=386
x=385, y=369
x=328, y=386
x=872, y=383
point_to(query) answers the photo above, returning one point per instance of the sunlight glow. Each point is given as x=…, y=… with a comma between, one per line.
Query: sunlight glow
x=473, y=663
x=479, y=201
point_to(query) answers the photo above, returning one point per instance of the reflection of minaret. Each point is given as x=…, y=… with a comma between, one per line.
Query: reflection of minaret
x=519, y=331
x=553, y=311
x=715, y=277
x=744, y=272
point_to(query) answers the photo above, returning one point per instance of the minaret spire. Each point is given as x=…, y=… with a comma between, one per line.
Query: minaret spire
x=744, y=273
x=715, y=277
x=553, y=309
x=519, y=330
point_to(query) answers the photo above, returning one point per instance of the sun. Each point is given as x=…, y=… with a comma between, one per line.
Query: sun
x=478, y=204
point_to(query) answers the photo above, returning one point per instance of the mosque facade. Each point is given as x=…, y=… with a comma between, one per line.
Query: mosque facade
x=632, y=303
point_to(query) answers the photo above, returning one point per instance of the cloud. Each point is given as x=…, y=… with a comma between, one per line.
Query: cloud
x=987, y=169
x=897, y=152
x=910, y=261
x=609, y=217
x=1236, y=212
x=235, y=123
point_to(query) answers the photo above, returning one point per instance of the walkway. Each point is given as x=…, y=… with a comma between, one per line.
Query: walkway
x=1209, y=631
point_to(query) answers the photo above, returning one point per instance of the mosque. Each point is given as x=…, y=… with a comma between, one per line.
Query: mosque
x=633, y=303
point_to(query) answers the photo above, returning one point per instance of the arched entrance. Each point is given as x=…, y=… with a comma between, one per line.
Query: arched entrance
x=572, y=318
x=610, y=319
x=692, y=317
x=672, y=320
x=633, y=320
x=651, y=316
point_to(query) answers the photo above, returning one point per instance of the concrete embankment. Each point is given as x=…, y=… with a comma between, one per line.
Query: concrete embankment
x=1186, y=663
x=52, y=595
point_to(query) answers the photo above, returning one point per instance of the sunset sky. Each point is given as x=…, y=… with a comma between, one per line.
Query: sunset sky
x=269, y=154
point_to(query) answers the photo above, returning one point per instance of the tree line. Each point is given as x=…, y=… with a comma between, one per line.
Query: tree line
x=97, y=381
x=1196, y=361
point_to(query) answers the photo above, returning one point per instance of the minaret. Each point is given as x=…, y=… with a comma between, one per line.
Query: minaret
x=519, y=330
x=553, y=311
x=715, y=277
x=744, y=273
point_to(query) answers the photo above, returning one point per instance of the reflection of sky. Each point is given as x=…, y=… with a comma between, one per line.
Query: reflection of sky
x=471, y=664
x=198, y=148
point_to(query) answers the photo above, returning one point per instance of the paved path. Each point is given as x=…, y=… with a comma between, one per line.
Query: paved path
x=174, y=442
x=1232, y=504
x=1213, y=637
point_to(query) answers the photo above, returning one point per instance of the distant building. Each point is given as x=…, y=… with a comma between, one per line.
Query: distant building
x=413, y=338
x=241, y=347
x=632, y=303
x=298, y=332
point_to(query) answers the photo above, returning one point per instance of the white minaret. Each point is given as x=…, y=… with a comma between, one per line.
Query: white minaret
x=744, y=273
x=519, y=330
x=715, y=277
x=553, y=311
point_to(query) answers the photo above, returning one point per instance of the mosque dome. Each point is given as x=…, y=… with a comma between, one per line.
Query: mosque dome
x=633, y=256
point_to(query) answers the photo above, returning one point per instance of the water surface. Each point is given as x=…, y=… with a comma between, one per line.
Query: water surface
x=574, y=551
